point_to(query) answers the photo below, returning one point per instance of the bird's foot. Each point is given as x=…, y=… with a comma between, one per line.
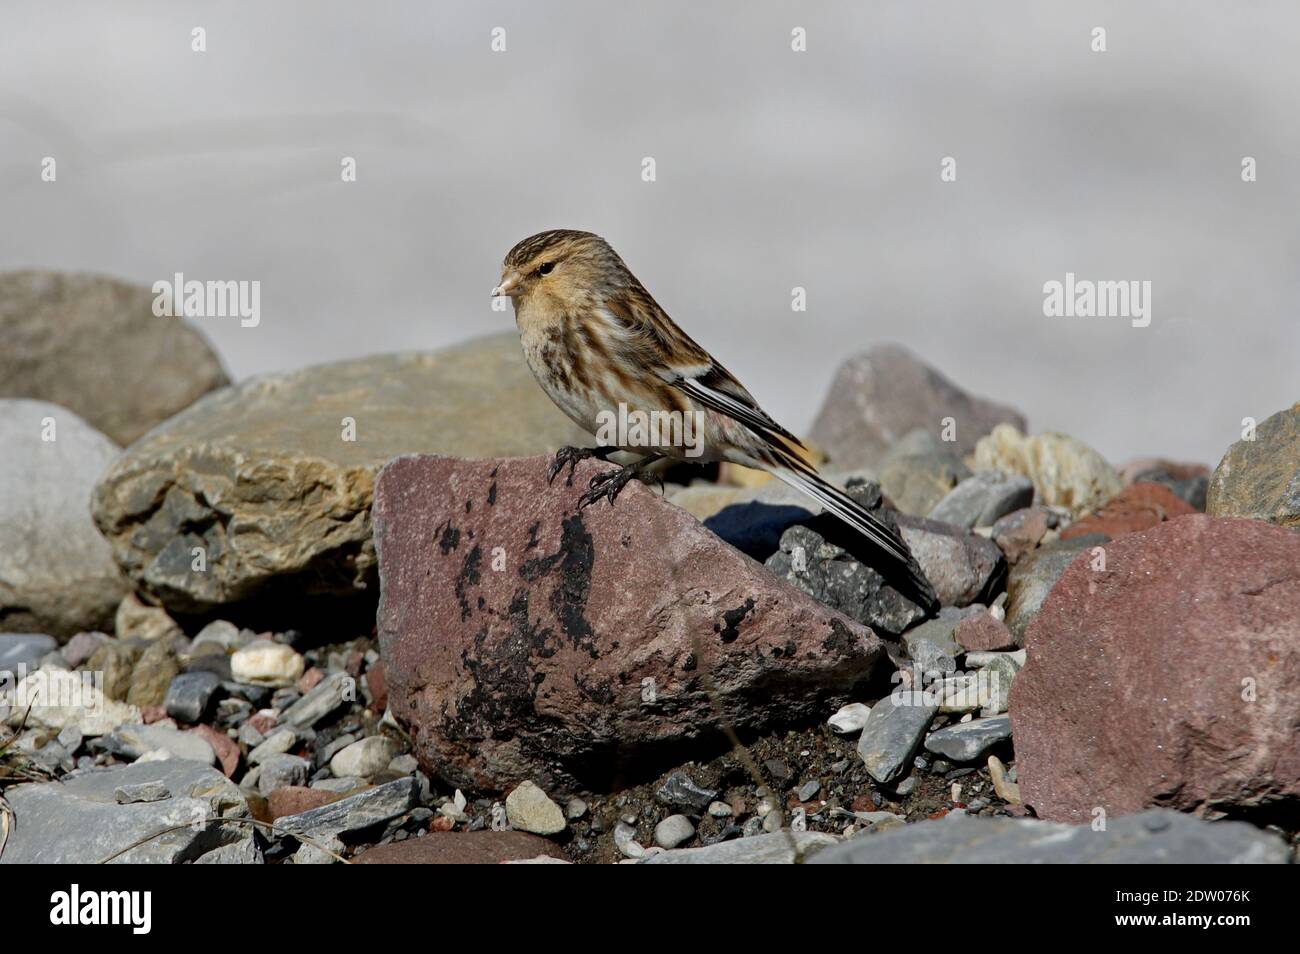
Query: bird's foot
x=571, y=456
x=608, y=484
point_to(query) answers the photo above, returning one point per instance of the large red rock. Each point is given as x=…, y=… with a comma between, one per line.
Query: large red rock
x=463, y=848
x=1139, y=507
x=527, y=640
x=1171, y=678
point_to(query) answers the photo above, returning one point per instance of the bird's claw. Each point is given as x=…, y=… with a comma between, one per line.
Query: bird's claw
x=607, y=484
x=570, y=456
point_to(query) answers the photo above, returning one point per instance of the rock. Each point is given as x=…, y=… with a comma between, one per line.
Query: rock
x=1188, y=482
x=462, y=848
x=154, y=791
x=879, y=396
x=1171, y=678
x=79, y=821
x=673, y=831
x=834, y=577
x=135, y=619
x=931, y=645
x=227, y=751
x=190, y=694
x=1065, y=472
x=892, y=735
x=808, y=791
x=1032, y=579
x=982, y=499
x=919, y=471
x=57, y=698
x=1138, y=507
x=220, y=633
x=1153, y=837
x=1260, y=478
x=529, y=809
x=277, y=771
x=294, y=799
x=276, y=743
x=983, y=633
x=365, y=757
x=964, y=567
x=1003, y=787
x=1019, y=532
x=681, y=791
x=778, y=848
x=81, y=647
x=57, y=574
x=850, y=718
x=116, y=660
x=152, y=675
x=584, y=652
x=81, y=341
x=263, y=477
x=266, y=663
x=355, y=813
x=332, y=692
x=967, y=741
x=24, y=649
x=133, y=741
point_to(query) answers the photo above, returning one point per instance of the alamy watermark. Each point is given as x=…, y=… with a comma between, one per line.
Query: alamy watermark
x=178, y=298
x=651, y=429
x=1084, y=298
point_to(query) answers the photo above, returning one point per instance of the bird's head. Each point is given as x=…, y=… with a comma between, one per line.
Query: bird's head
x=562, y=268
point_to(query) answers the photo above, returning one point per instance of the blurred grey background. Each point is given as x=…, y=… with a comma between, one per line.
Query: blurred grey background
x=775, y=169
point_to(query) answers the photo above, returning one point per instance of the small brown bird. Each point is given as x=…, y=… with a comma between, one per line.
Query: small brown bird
x=603, y=350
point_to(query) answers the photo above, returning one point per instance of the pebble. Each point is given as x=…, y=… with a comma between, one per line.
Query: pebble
x=680, y=791
x=575, y=809
x=808, y=791
x=528, y=808
x=135, y=741
x=966, y=742
x=365, y=757
x=141, y=792
x=189, y=695
x=1006, y=789
x=625, y=841
x=673, y=831
x=23, y=649
x=266, y=663
x=277, y=743
x=403, y=764
x=333, y=691
x=891, y=737
x=220, y=633
x=720, y=810
x=279, y=770
x=850, y=718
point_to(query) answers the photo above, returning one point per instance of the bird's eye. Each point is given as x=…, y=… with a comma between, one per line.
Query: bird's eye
x=545, y=268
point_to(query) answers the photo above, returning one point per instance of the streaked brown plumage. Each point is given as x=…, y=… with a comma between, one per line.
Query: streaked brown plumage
x=595, y=339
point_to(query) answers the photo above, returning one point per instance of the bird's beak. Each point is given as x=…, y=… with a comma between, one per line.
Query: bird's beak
x=509, y=286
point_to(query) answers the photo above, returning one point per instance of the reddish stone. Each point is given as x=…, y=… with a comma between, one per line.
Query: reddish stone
x=1019, y=532
x=310, y=679
x=441, y=823
x=352, y=665
x=589, y=649
x=984, y=634
x=465, y=848
x=292, y=799
x=1177, y=471
x=227, y=749
x=377, y=683
x=152, y=714
x=263, y=720
x=1171, y=678
x=1138, y=507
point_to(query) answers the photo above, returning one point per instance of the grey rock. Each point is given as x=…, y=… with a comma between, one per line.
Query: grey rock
x=892, y=734
x=964, y=567
x=808, y=790
x=133, y=741
x=919, y=471
x=883, y=394
x=85, y=341
x=982, y=498
x=680, y=791
x=280, y=740
x=374, y=806
x=189, y=695
x=673, y=831
x=23, y=649
x=154, y=791
x=79, y=821
x=57, y=574
x=268, y=456
x=1156, y=836
x=330, y=693
x=280, y=770
x=932, y=647
x=967, y=741
x=1260, y=478
x=364, y=757
x=778, y=848
x=1032, y=578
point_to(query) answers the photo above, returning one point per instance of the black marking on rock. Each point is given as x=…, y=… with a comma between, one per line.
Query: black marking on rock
x=449, y=538
x=574, y=560
x=729, y=627
x=470, y=575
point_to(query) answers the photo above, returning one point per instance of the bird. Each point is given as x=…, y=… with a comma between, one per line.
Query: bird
x=597, y=341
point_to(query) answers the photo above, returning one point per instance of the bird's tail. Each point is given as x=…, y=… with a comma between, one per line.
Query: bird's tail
x=894, y=561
